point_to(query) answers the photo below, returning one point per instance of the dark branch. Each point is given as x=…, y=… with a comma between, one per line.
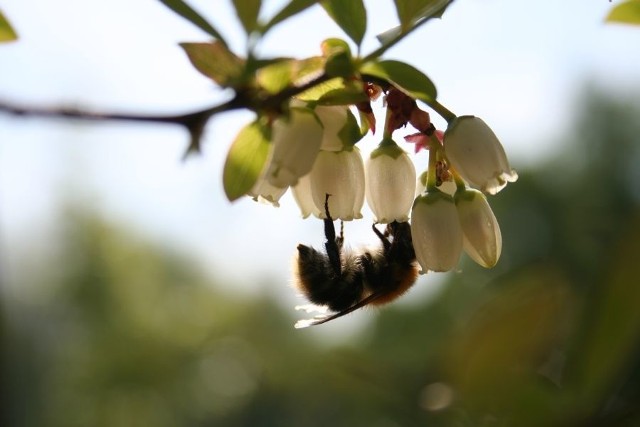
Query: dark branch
x=248, y=100
x=186, y=120
x=194, y=121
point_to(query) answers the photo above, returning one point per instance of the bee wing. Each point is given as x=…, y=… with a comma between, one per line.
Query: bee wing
x=305, y=323
x=324, y=318
x=311, y=308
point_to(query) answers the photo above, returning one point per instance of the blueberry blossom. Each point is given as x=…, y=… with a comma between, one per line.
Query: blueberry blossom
x=390, y=183
x=340, y=174
x=296, y=143
x=333, y=119
x=304, y=199
x=436, y=231
x=476, y=154
x=482, y=237
x=265, y=192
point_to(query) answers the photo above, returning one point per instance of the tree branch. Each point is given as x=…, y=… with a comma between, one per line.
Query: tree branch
x=186, y=119
x=241, y=100
x=194, y=122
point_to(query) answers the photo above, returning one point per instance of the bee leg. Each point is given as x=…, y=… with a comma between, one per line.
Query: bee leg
x=333, y=245
x=386, y=244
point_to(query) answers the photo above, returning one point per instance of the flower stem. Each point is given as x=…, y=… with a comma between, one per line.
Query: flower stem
x=460, y=184
x=387, y=131
x=443, y=111
x=432, y=179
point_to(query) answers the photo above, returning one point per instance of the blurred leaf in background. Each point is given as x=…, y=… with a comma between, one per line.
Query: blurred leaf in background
x=627, y=12
x=7, y=33
x=126, y=333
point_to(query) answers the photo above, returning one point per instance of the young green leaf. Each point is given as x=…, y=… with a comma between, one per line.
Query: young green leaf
x=247, y=11
x=350, y=15
x=275, y=77
x=343, y=96
x=625, y=13
x=294, y=7
x=339, y=64
x=286, y=72
x=188, y=13
x=215, y=61
x=245, y=160
x=307, y=69
x=338, y=59
x=404, y=76
x=7, y=33
x=411, y=11
x=316, y=92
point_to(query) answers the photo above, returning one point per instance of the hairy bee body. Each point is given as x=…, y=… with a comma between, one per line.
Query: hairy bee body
x=322, y=285
x=345, y=281
x=392, y=270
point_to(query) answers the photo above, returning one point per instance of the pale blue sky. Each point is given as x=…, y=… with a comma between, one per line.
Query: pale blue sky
x=518, y=64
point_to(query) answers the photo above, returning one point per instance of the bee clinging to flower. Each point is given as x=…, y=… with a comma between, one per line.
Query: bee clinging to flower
x=344, y=281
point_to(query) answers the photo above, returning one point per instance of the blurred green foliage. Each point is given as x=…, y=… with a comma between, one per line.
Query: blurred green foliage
x=7, y=33
x=131, y=335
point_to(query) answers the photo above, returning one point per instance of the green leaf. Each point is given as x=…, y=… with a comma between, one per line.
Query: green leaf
x=305, y=69
x=625, y=13
x=334, y=45
x=316, y=92
x=245, y=160
x=411, y=11
x=248, y=11
x=215, y=61
x=338, y=58
x=339, y=65
x=404, y=76
x=294, y=7
x=286, y=72
x=275, y=77
x=350, y=15
x=433, y=9
x=184, y=10
x=7, y=33
x=342, y=96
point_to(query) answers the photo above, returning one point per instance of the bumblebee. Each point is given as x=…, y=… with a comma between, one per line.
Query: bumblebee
x=344, y=281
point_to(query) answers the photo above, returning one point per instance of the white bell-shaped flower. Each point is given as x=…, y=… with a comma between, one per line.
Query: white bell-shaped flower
x=477, y=155
x=358, y=199
x=304, y=199
x=436, y=232
x=296, y=143
x=391, y=181
x=340, y=174
x=333, y=119
x=265, y=192
x=482, y=237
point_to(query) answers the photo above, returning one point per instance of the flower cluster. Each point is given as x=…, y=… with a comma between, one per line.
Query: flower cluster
x=313, y=151
x=451, y=213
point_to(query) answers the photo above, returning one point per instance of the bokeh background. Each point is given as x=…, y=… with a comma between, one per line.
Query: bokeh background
x=134, y=294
